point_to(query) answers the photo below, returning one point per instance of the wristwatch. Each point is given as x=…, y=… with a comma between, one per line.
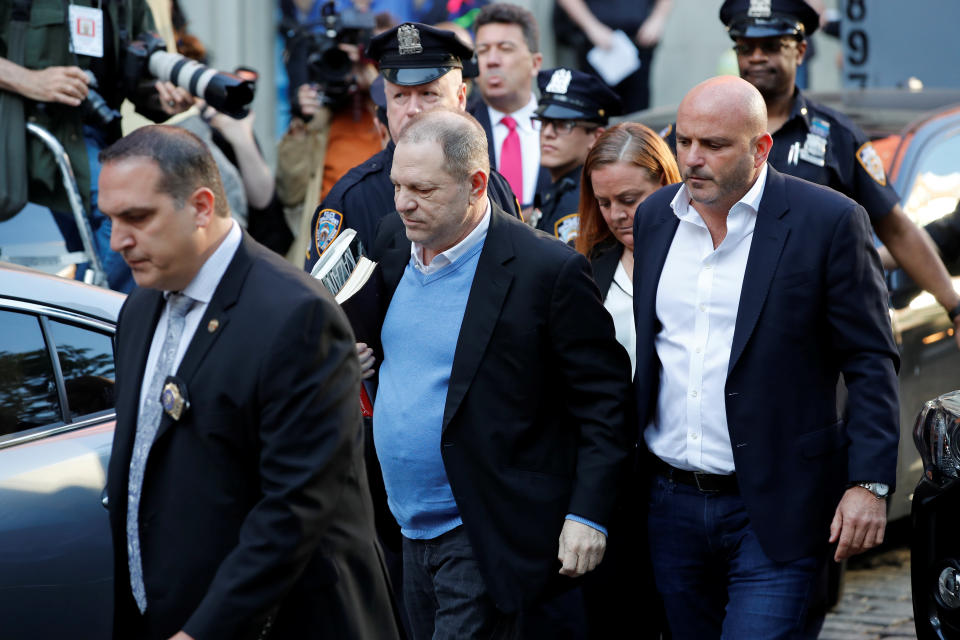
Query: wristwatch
x=878, y=489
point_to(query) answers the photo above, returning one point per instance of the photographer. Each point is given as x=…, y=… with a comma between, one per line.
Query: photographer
x=332, y=128
x=75, y=96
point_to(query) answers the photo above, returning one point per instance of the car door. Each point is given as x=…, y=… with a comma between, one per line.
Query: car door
x=56, y=428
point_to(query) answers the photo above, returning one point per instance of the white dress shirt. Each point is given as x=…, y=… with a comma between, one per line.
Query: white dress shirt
x=450, y=256
x=529, y=131
x=697, y=302
x=619, y=303
x=201, y=289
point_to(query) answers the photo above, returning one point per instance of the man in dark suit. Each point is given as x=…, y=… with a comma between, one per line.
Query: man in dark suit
x=509, y=58
x=237, y=492
x=753, y=292
x=498, y=420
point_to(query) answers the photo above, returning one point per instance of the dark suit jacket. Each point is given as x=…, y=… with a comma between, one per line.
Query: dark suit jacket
x=478, y=109
x=813, y=305
x=255, y=508
x=533, y=426
x=604, y=259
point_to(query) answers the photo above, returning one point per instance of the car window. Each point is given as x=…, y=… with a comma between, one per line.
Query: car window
x=28, y=388
x=936, y=188
x=86, y=360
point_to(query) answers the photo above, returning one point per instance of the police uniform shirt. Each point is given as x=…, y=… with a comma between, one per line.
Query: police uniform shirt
x=823, y=146
x=559, y=206
x=361, y=198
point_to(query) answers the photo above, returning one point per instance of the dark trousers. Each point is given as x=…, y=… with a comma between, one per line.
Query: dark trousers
x=715, y=580
x=445, y=595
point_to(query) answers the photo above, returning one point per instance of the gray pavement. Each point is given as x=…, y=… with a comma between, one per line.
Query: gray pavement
x=876, y=600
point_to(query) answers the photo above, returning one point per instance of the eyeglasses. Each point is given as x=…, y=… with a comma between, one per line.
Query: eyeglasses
x=769, y=46
x=564, y=127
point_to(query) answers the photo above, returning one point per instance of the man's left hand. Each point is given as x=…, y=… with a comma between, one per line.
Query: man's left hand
x=581, y=548
x=182, y=635
x=858, y=524
x=173, y=99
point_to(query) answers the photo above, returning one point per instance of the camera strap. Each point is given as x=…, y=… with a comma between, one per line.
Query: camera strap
x=123, y=26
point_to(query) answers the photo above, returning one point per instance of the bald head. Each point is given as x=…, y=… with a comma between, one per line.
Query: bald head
x=735, y=98
x=722, y=141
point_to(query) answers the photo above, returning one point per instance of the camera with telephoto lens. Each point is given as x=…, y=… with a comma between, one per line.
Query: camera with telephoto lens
x=327, y=65
x=147, y=56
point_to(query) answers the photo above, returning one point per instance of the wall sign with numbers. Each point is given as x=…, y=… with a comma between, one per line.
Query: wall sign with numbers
x=885, y=43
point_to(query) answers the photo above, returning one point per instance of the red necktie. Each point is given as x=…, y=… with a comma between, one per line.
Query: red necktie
x=511, y=163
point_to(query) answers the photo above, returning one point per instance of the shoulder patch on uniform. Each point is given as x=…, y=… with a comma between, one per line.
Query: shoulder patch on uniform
x=666, y=131
x=567, y=227
x=870, y=160
x=328, y=226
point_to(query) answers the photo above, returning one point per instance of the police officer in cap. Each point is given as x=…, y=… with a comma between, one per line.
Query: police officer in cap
x=574, y=109
x=422, y=70
x=818, y=144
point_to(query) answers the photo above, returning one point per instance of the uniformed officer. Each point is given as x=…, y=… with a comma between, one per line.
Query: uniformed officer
x=574, y=109
x=422, y=70
x=816, y=143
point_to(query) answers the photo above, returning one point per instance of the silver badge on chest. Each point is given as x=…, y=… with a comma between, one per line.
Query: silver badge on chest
x=814, y=148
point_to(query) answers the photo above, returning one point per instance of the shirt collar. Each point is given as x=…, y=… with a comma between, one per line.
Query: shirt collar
x=452, y=254
x=751, y=200
x=523, y=115
x=203, y=285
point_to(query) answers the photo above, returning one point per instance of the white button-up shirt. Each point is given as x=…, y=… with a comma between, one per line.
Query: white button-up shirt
x=200, y=289
x=697, y=302
x=529, y=131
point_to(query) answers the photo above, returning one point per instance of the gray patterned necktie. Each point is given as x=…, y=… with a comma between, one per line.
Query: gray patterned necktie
x=147, y=425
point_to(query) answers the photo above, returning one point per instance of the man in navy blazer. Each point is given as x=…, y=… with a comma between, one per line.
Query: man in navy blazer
x=753, y=292
x=238, y=498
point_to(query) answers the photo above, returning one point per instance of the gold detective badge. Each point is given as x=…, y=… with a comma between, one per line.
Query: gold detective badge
x=174, y=400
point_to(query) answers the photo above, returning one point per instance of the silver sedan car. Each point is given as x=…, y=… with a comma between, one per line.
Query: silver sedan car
x=56, y=428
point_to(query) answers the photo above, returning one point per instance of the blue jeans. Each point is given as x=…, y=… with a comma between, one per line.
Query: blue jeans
x=445, y=595
x=715, y=580
x=119, y=277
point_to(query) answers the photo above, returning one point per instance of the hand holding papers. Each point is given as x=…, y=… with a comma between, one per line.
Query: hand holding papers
x=617, y=62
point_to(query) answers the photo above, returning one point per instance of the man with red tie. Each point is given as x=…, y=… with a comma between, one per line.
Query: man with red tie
x=508, y=53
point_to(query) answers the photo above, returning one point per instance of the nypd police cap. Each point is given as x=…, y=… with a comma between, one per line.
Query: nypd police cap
x=414, y=53
x=768, y=18
x=568, y=94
